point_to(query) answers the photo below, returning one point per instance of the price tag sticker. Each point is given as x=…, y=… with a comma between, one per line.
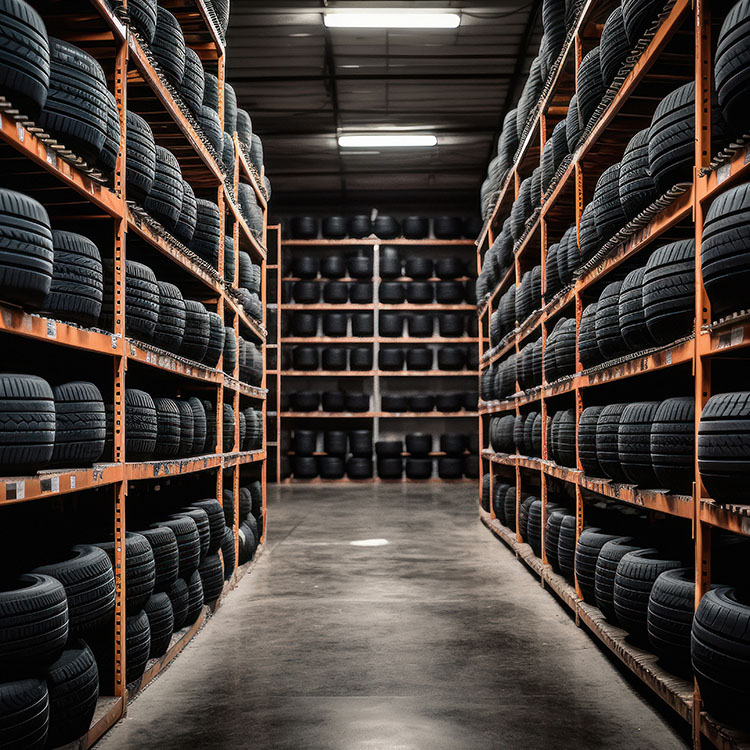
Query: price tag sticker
x=723, y=172
x=51, y=157
x=737, y=334
x=15, y=490
x=72, y=481
x=21, y=131
x=52, y=329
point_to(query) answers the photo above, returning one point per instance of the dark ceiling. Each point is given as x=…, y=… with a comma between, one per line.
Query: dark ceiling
x=303, y=84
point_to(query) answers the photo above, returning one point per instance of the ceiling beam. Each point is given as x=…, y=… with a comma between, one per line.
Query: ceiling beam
x=482, y=78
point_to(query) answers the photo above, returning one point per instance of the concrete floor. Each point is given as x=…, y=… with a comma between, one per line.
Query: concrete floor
x=439, y=640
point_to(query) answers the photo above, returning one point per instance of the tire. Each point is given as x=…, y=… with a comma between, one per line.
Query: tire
x=552, y=536
x=631, y=313
x=160, y=615
x=107, y=160
x=211, y=126
x=89, y=583
x=185, y=228
x=73, y=685
x=390, y=468
x=199, y=426
x=227, y=432
x=215, y=342
x=534, y=526
x=589, y=547
x=168, y=46
x=610, y=216
x=589, y=86
x=386, y=227
x=606, y=568
x=724, y=256
x=141, y=425
x=416, y=227
x=331, y=267
x=215, y=514
x=80, y=424
x=391, y=266
x=212, y=578
x=33, y=623
x=75, y=110
x=614, y=47
x=230, y=107
x=194, y=83
x=195, y=599
x=164, y=200
x=673, y=444
x=140, y=157
x=140, y=569
x=24, y=714
x=330, y=467
x=207, y=236
x=77, y=284
x=188, y=541
x=564, y=438
x=389, y=449
x=588, y=346
x=163, y=543
x=634, y=443
x=24, y=57
x=418, y=468
x=730, y=66
x=668, y=291
x=419, y=444
x=170, y=325
x=636, y=573
x=228, y=553
x=510, y=505
x=670, y=617
x=671, y=138
x=607, y=454
x=419, y=269
x=360, y=445
x=637, y=17
x=608, y=335
x=636, y=185
x=334, y=227
x=566, y=547
x=587, y=441
x=499, y=490
x=574, y=124
x=210, y=410
x=719, y=653
x=420, y=292
x=26, y=250
x=419, y=358
x=304, y=467
x=179, y=598
x=137, y=646
x=197, y=331
x=167, y=428
x=359, y=267
x=27, y=422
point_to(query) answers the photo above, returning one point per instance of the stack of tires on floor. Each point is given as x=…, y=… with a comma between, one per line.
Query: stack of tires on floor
x=343, y=454
x=637, y=569
x=383, y=227
x=414, y=458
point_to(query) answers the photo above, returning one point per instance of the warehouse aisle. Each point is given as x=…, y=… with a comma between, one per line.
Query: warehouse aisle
x=433, y=641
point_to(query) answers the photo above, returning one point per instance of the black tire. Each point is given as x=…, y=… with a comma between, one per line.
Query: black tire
x=669, y=291
x=77, y=284
x=634, y=443
x=552, y=536
x=179, y=597
x=450, y=467
x=163, y=544
x=587, y=441
x=510, y=504
x=33, y=623
x=670, y=617
x=331, y=267
x=210, y=410
x=195, y=599
x=564, y=438
x=419, y=292
x=418, y=468
x=719, y=653
x=185, y=227
x=215, y=344
x=212, y=578
x=27, y=422
x=140, y=569
x=633, y=327
x=304, y=467
x=73, y=684
x=194, y=83
x=418, y=444
x=207, y=236
x=608, y=335
x=80, y=424
x=199, y=426
x=534, y=525
x=671, y=138
x=499, y=490
x=673, y=444
x=637, y=17
x=589, y=547
x=614, y=46
x=197, y=331
x=418, y=268
x=574, y=124
x=142, y=301
x=24, y=57
x=75, y=110
x=26, y=250
x=566, y=547
x=731, y=65
x=607, y=454
x=610, y=215
x=360, y=293
x=167, y=428
x=170, y=325
x=416, y=227
x=141, y=425
x=589, y=86
x=160, y=615
x=24, y=714
x=391, y=266
x=164, y=200
x=606, y=568
x=107, y=160
x=211, y=126
x=228, y=553
x=588, y=346
x=215, y=513
x=89, y=583
x=168, y=45
x=386, y=227
x=140, y=157
x=188, y=541
x=390, y=468
x=636, y=186
x=137, y=647
x=230, y=108
x=227, y=431
x=724, y=256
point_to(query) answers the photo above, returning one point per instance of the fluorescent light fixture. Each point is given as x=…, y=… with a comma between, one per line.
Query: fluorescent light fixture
x=387, y=140
x=388, y=19
x=369, y=543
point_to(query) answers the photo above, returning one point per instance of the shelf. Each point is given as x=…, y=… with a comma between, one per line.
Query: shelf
x=258, y=253
x=325, y=306
x=431, y=306
x=248, y=173
x=375, y=339
x=163, y=360
x=727, y=175
x=350, y=280
x=44, y=153
x=199, y=24
x=373, y=414
x=375, y=241
x=382, y=373
x=375, y=480
x=51, y=482
x=245, y=389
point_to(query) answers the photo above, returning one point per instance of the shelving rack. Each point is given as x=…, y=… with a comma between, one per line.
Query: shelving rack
x=273, y=348
x=70, y=192
x=370, y=419
x=641, y=88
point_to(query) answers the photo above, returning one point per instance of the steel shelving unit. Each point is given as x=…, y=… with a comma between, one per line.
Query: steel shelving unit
x=273, y=348
x=640, y=84
x=68, y=188
x=371, y=417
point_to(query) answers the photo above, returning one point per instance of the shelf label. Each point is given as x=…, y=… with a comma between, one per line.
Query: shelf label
x=15, y=490
x=21, y=131
x=51, y=157
x=72, y=481
x=723, y=172
x=669, y=357
x=737, y=334
x=50, y=485
x=52, y=329
x=747, y=156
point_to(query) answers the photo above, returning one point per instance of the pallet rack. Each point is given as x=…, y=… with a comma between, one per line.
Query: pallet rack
x=70, y=190
x=686, y=206
x=370, y=418
x=273, y=347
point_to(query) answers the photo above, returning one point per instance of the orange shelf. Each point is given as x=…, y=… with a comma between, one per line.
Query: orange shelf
x=376, y=241
x=163, y=360
x=259, y=253
x=382, y=373
x=245, y=389
x=248, y=173
x=373, y=414
x=48, y=483
x=374, y=339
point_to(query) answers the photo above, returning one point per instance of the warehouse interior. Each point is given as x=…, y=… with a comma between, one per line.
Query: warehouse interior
x=374, y=374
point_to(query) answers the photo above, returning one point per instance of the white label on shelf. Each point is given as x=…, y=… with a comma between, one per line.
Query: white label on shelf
x=52, y=329
x=51, y=157
x=21, y=130
x=55, y=484
x=15, y=490
x=669, y=358
x=737, y=335
x=72, y=481
x=723, y=172
x=114, y=341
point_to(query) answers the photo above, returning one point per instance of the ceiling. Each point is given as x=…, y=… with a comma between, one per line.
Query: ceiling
x=303, y=84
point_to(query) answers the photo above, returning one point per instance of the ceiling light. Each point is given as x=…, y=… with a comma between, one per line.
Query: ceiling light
x=399, y=140
x=386, y=19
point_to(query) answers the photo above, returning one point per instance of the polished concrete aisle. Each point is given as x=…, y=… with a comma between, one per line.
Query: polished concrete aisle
x=437, y=640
